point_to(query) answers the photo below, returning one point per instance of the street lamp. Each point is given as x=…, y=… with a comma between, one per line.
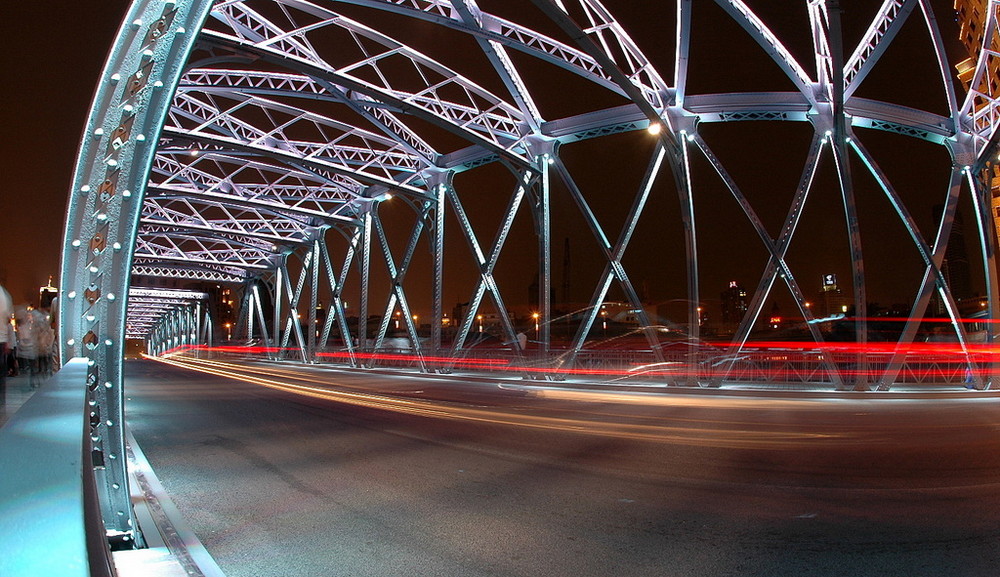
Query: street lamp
x=480, y=319
x=535, y=316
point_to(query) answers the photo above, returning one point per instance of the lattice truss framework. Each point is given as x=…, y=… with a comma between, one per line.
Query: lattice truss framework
x=249, y=129
x=174, y=316
x=247, y=169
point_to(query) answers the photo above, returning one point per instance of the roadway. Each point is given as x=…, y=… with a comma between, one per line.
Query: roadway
x=321, y=472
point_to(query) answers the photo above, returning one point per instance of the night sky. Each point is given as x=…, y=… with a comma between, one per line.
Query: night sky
x=54, y=52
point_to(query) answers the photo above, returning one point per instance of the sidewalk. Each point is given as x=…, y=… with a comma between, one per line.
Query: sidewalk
x=18, y=391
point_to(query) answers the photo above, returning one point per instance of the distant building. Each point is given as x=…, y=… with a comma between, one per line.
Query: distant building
x=775, y=321
x=46, y=295
x=833, y=301
x=320, y=321
x=971, y=16
x=972, y=23
x=734, y=306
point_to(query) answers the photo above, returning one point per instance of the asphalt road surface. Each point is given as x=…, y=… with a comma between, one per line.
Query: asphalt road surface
x=323, y=473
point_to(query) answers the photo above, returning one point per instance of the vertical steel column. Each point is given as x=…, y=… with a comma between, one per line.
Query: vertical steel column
x=313, y=301
x=178, y=327
x=987, y=235
x=365, y=264
x=183, y=318
x=544, y=211
x=197, y=324
x=545, y=154
x=280, y=272
x=250, y=310
x=208, y=327
x=842, y=159
x=439, y=192
x=168, y=331
x=175, y=334
x=682, y=174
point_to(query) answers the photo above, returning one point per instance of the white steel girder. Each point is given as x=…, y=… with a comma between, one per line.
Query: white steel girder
x=293, y=119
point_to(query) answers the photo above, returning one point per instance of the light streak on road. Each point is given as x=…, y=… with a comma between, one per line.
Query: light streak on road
x=770, y=361
x=714, y=433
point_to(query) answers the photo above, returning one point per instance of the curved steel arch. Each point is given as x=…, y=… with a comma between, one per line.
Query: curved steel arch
x=226, y=170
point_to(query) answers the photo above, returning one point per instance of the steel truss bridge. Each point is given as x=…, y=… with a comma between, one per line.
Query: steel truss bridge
x=300, y=148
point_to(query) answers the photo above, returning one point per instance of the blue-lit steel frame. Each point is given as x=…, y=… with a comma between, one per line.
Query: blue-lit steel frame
x=117, y=149
x=201, y=170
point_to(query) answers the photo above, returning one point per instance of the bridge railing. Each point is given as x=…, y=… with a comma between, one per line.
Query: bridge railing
x=50, y=519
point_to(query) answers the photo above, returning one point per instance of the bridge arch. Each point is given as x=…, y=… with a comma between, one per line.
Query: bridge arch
x=230, y=139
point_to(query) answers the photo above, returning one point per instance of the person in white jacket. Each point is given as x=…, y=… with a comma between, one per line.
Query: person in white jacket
x=29, y=327
x=6, y=341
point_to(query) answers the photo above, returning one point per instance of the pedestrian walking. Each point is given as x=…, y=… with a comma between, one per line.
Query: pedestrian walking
x=29, y=326
x=46, y=340
x=6, y=339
